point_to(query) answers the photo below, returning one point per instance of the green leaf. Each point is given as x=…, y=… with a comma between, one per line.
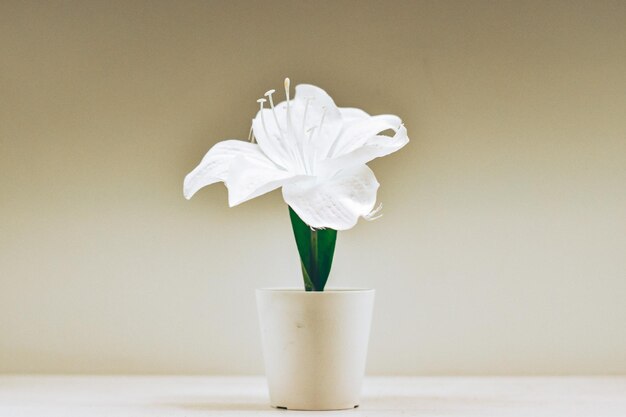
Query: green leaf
x=316, y=249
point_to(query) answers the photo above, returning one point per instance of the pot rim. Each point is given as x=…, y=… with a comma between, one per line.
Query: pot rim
x=340, y=290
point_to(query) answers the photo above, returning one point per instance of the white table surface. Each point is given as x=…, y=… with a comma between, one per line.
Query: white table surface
x=154, y=396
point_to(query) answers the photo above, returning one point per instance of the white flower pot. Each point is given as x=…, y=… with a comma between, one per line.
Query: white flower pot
x=315, y=346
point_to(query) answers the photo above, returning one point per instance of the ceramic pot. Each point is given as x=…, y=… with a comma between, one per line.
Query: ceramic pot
x=315, y=346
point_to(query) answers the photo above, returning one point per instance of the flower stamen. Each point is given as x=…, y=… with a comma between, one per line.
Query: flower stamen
x=268, y=94
x=299, y=151
x=374, y=214
x=251, y=137
x=322, y=120
x=261, y=101
x=287, y=83
x=286, y=146
x=306, y=108
x=310, y=132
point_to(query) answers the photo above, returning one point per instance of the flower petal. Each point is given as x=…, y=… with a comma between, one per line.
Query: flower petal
x=349, y=114
x=251, y=177
x=319, y=99
x=216, y=163
x=268, y=135
x=374, y=147
x=294, y=142
x=322, y=111
x=358, y=131
x=336, y=203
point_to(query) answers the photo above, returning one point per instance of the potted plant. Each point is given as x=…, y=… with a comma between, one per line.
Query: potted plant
x=314, y=340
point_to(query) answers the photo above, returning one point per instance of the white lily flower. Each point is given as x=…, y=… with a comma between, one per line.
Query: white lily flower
x=317, y=152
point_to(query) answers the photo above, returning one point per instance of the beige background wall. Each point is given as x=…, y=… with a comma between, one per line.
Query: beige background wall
x=503, y=245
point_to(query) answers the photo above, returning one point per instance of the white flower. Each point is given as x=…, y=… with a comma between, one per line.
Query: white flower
x=317, y=152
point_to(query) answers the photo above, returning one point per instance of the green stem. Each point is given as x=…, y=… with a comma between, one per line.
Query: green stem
x=313, y=248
